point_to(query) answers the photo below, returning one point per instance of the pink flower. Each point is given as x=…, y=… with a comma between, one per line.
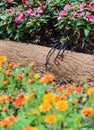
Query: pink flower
x=92, y=4
x=39, y=10
x=88, y=7
x=22, y=1
x=20, y=17
x=77, y=15
x=62, y=13
x=9, y=1
x=30, y=12
x=27, y=3
x=67, y=7
x=43, y=5
x=16, y=9
x=82, y=8
x=9, y=11
x=91, y=18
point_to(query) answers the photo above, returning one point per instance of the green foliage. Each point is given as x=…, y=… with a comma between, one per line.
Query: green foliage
x=26, y=99
x=38, y=21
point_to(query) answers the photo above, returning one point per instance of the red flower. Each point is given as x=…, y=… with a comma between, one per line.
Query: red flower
x=20, y=76
x=20, y=100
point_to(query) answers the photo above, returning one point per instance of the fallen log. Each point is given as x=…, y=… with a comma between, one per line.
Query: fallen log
x=72, y=68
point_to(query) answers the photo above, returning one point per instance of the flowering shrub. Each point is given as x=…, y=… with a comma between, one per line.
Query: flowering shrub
x=38, y=21
x=31, y=102
x=77, y=23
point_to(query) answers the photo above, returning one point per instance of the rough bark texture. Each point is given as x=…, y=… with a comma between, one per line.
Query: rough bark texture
x=72, y=68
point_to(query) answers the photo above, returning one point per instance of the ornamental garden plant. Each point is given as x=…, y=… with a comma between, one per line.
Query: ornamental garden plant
x=29, y=101
x=38, y=21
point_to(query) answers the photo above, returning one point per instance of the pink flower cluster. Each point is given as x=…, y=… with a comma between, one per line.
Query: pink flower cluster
x=65, y=12
x=20, y=17
x=37, y=11
x=30, y=12
x=78, y=14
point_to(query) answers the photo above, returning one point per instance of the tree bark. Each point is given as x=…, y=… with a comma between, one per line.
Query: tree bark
x=72, y=68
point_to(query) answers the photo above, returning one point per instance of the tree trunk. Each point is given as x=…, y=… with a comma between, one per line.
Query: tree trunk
x=72, y=68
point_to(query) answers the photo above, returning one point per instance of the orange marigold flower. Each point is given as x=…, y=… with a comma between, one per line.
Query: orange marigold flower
x=50, y=119
x=5, y=109
x=8, y=72
x=10, y=120
x=90, y=91
x=49, y=97
x=32, y=64
x=62, y=105
x=60, y=89
x=29, y=128
x=5, y=82
x=20, y=100
x=70, y=89
x=45, y=107
x=67, y=94
x=20, y=77
x=87, y=112
x=57, y=98
x=4, y=98
x=79, y=89
x=11, y=64
x=3, y=59
x=47, y=78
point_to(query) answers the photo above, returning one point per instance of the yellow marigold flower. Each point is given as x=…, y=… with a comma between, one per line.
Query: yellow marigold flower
x=29, y=128
x=36, y=76
x=27, y=98
x=62, y=105
x=3, y=59
x=90, y=91
x=87, y=112
x=50, y=119
x=49, y=97
x=45, y=107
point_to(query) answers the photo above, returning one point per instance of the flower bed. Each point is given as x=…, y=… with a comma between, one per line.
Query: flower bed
x=31, y=102
x=39, y=21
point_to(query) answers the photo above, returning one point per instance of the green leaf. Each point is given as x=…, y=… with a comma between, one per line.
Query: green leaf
x=80, y=23
x=41, y=127
x=86, y=32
